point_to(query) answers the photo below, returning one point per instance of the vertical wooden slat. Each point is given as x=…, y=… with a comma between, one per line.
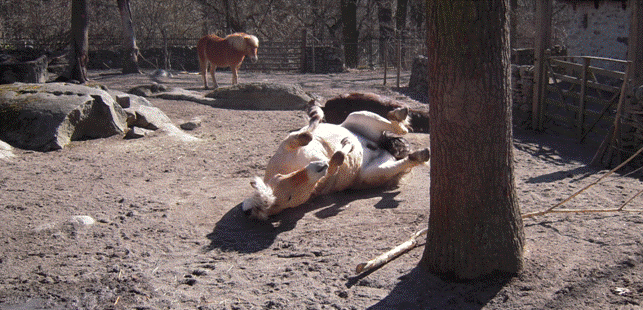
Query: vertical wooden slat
x=583, y=93
x=543, y=34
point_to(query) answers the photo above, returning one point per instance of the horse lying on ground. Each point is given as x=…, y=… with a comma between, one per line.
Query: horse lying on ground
x=225, y=52
x=365, y=151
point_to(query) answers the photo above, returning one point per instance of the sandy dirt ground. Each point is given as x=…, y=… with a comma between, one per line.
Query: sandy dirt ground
x=169, y=233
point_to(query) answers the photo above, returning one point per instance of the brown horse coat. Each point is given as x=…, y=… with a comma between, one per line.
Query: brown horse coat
x=225, y=52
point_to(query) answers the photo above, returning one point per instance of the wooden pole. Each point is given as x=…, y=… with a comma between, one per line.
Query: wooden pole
x=583, y=93
x=610, y=139
x=635, y=41
x=385, y=61
x=543, y=34
x=399, y=58
x=304, y=36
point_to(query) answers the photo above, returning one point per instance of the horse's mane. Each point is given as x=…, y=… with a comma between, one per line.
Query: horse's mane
x=240, y=40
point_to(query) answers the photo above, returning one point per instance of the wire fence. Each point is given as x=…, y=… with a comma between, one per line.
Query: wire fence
x=305, y=54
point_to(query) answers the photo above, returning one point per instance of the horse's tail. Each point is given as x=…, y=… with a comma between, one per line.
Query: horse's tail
x=201, y=48
x=315, y=113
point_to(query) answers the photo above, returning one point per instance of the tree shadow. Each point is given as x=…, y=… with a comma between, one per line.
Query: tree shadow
x=236, y=232
x=421, y=290
x=584, y=171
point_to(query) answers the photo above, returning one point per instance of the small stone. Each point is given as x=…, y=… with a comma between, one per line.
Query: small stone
x=192, y=124
x=83, y=220
x=124, y=101
x=137, y=132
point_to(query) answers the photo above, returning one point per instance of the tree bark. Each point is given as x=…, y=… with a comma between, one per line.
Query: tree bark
x=400, y=24
x=385, y=24
x=350, y=34
x=475, y=227
x=635, y=41
x=79, y=41
x=130, y=49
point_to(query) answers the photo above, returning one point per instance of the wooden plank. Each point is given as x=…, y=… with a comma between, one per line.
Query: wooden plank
x=590, y=84
x=581, y=102
x=563, y=105
x=575, y=67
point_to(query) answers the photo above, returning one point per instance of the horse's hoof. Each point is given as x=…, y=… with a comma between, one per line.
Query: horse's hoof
x=421, y=155
x=337, y=159
x=304, y=138
x=394, y=144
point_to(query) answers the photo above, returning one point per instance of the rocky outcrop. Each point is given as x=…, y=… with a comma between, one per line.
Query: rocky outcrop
x=23, y=70
x=261, y=96
x=46, y=117
x=246, y=96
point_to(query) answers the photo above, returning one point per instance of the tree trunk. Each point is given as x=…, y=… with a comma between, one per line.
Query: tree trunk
x=130, y=50
x=349, y=23
x=475, y=227
x=385, y=20
x=79, y=42
x=635, y=41
x=400, y=24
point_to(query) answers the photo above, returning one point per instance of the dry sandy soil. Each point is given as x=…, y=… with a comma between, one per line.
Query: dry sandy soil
x=170, y=233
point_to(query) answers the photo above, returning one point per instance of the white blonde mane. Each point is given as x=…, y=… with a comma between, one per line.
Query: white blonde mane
x=238, y=41
x=261, y=198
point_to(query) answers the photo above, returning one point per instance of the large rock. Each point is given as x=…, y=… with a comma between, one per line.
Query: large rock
x=24, y=70
x=46, y=117
x=261, y=96
x=143, y=118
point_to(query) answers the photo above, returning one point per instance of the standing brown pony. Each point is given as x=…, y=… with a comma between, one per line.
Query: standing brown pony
x=225, y=52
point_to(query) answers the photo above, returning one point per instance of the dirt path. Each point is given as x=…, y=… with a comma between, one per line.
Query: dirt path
x=170, y=235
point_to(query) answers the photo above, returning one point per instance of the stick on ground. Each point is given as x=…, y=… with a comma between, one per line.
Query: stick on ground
x=391, y=254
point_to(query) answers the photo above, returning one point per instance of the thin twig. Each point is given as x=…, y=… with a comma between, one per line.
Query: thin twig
x=628, y=201
x=584, y=188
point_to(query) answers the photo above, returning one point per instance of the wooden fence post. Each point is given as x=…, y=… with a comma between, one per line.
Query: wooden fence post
x=399, y=58
x=583, y=93
x=304, y=37
x=543, y=20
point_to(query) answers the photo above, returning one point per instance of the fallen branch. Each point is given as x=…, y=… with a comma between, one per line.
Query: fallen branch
x=391, y=254
x=384, y=258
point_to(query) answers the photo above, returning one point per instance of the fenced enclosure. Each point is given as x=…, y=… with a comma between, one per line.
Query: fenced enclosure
x=303, y=54
x=587, y=102
x=580, y=97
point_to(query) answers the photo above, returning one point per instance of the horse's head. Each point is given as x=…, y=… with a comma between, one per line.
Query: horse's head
x=252, y=44
x=246, y=44
x=283, y=191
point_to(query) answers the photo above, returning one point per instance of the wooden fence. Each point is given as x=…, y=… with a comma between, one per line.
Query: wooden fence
x=579, y=97
x=582, y=100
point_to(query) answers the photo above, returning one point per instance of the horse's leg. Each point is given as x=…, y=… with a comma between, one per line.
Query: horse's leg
x=203, y=65
x=315, y=113
x=338, y=157
x=297, y=139
x=385, y=168
x=214, y=80
x=235, y=69
x=372, y=126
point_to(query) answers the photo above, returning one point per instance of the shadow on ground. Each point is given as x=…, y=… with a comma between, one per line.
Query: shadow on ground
x=421, y=290
x=236, y=232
